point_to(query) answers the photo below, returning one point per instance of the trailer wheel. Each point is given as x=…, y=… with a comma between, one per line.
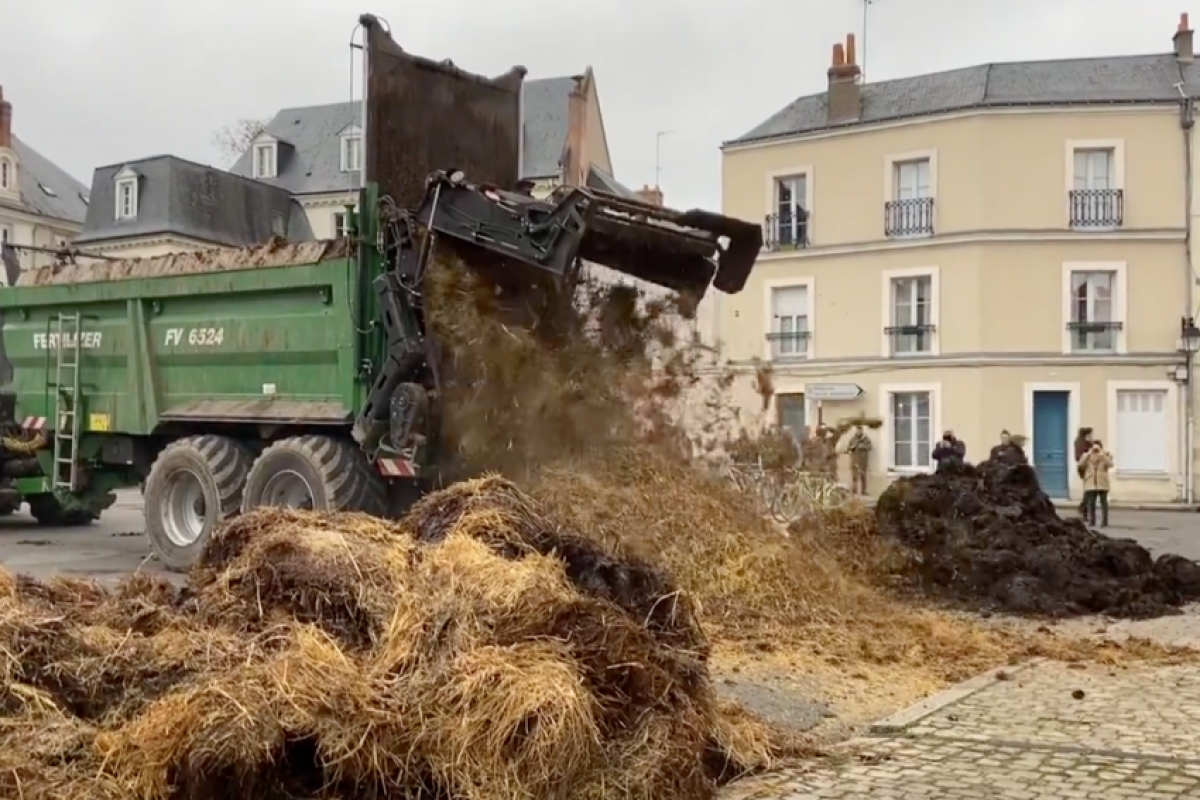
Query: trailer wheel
x=195, y=484
x=315, y=472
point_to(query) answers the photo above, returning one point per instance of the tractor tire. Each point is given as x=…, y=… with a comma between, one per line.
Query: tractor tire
x=195, y=484
x=47, y=511
x=315, y=472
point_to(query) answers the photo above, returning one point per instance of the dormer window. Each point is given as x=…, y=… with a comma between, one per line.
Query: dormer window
x=126, y=199
x=266, y=159
x=352, y=149
x=8, y=174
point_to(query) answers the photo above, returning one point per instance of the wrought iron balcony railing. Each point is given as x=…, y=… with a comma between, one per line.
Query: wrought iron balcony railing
x=786, y=231
x=911, y=339
x=912, y=217
x=1094, y=336
x=1097, y=208
x=793, y=344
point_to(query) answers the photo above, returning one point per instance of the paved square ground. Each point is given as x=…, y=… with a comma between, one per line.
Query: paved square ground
x=1047, y=732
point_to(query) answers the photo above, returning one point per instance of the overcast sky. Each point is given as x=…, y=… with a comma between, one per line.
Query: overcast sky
x=94, y=83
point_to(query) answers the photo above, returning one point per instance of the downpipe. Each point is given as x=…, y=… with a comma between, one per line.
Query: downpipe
x=1187, y=124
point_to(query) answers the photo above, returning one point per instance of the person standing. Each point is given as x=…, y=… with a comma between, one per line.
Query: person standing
x=1083, y=445
x=859, y=449
x=1096, y=464
x=950, y=450
x=1000, y=449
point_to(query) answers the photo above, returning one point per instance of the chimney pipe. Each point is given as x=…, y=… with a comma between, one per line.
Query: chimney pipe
x=1184, y=51
x=5, y=122
x=651, y=195
x=843, y=102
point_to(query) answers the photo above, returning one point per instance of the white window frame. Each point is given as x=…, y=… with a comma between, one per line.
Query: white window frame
x=125, y=180
x=1170, y=422
x=886, y=391
x=935, y=310
x=8, y=174
x=769, y=287
x=891, y=163
x=271, y=148
x=7, y=234
x=773, y=178
x=339, y=223
x=352, y=134
x=1117, y=146
x=1120, y=304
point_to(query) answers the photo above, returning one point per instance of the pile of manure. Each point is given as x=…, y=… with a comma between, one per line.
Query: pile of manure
x=473, y=650
x=987, y=535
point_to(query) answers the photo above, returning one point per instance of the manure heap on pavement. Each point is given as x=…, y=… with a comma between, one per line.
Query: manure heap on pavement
x=472, y=650
x=987, y=535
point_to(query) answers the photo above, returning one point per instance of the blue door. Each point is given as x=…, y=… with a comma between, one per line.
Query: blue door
x=1052, y=442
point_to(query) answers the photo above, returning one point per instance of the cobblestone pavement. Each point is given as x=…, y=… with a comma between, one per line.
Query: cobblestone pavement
x=1044, y=731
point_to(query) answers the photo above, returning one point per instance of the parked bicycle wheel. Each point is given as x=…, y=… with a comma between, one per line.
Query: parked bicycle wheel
x=789, y=504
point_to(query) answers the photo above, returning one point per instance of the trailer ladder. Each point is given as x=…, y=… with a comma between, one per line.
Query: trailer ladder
x=67, y=342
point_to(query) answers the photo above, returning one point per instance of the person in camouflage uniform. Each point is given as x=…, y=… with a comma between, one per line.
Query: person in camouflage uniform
x=859, y=448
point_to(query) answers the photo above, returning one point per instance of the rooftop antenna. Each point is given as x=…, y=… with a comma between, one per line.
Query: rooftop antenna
x=863, y=73
x=658, y=137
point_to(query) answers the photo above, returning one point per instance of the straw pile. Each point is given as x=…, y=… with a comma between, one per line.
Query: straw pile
x=472, y=650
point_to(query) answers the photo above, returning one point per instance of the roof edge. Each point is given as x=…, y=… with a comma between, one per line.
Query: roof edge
x=941, y=112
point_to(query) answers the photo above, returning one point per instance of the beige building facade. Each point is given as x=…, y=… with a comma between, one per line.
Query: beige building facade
x=1003, y=247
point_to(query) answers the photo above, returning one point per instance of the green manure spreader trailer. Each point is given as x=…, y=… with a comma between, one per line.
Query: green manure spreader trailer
x=301, y=374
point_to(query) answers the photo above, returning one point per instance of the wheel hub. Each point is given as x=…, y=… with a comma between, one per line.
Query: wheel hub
x=183, y=508
x=288, y=489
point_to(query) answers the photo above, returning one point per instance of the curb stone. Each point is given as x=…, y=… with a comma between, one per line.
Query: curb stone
x=899, y=722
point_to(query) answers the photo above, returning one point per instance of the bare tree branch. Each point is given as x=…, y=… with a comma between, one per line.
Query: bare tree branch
x=235, y=139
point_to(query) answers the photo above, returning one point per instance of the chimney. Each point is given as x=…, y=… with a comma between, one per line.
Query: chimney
x=575, y=164
x=5, y=122
x=844, y=101
x=650, y=195
x=1183, y=41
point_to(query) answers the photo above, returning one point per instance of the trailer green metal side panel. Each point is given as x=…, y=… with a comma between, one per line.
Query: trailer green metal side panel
x=267, y=344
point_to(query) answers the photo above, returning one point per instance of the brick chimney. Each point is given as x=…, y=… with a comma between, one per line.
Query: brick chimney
x=844, y=102
x=1184, y=52
x=650, y=195
x=5, y=122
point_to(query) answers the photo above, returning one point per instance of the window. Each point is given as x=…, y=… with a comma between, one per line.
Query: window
x=6, y=174
x=341, y=225
x=787, y=226
x=1142, y=436
x=6, y=235
x=47, y=190
x=790, y=414
x=127, y=198
x=264, y=160
x=790, y=321
x=352, y=150
x=912, y=180
x=909, y=210
x=910, y=415
x=1094, y=308
x=1095, y=184
x=278, y=228
x=1092, y=312
x=911, y=314
x=1094, y=169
